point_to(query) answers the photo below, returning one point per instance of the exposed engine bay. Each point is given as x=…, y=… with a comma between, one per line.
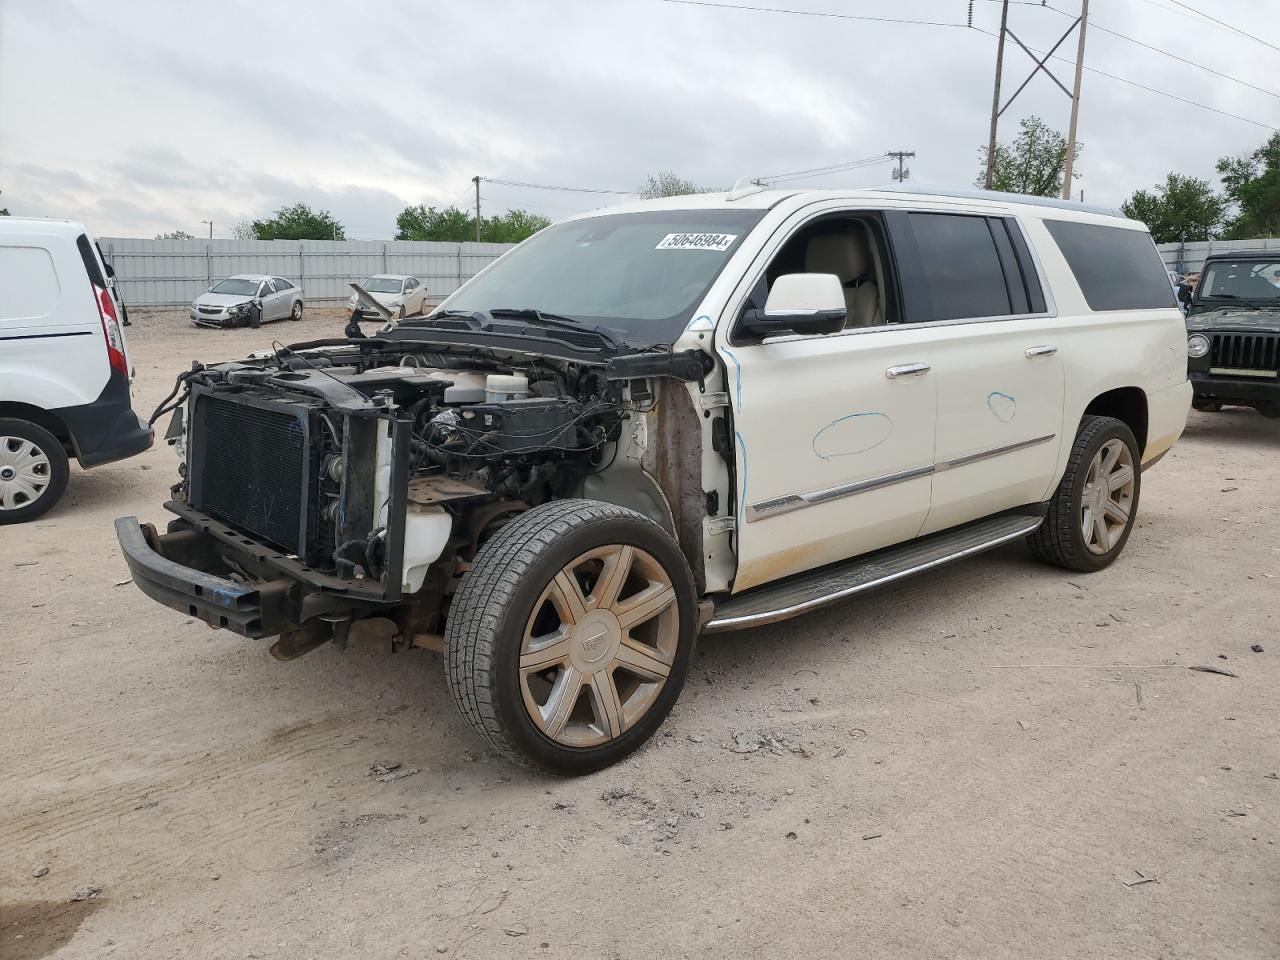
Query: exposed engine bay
x=370, y=471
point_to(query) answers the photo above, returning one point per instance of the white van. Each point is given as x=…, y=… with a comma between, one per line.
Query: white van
x=64, y=365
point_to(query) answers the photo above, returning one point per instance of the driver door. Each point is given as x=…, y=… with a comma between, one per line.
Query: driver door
x=833, y=434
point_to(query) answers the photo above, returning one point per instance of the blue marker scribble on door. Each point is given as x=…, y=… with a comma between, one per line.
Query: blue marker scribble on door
x=1002, y=406
x=742, y=497
x=856, y=433
x=738, y=376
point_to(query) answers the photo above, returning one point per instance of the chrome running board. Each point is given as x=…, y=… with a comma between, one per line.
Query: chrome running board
x=808, y=591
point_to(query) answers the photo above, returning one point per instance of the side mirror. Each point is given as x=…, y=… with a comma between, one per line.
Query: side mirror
x=804, y=303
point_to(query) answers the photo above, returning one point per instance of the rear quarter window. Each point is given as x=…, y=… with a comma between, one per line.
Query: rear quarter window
x=1117, y=269
x=29, y=288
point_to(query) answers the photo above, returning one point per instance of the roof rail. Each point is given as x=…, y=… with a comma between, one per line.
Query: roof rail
x=998, y=196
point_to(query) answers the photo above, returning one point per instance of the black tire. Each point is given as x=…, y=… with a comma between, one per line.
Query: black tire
x=1060, y=539
x=496, y=599
x=400, y=314
x=295, y=313
x=58, y=470
x=1207, y=406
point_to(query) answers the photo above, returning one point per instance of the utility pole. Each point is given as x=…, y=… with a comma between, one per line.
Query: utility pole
x=997, y=110
x=210, y=223
x=995, y=97
x=1075, y=104
x=476, y=181
x=902, y=172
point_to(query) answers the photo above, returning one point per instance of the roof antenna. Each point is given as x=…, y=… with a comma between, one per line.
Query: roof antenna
x=745, y=187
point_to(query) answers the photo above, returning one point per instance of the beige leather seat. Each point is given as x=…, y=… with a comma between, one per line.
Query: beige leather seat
x=848, y=255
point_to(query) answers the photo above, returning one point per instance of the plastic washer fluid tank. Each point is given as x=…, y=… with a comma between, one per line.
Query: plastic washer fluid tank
x=498, y=387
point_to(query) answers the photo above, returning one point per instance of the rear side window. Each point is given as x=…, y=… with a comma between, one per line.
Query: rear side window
x=959, y=257
x=1117, y=269
x=281, y=283
x=29, y=286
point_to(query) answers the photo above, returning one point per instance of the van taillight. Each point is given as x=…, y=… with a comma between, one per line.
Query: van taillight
x=111, y=329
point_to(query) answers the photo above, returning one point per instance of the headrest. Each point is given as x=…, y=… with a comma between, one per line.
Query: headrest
x=844, y=254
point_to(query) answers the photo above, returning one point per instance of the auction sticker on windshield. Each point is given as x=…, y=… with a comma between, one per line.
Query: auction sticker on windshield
x=720, y=242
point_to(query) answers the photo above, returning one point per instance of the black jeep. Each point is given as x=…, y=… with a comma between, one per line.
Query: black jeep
x=1233, y=332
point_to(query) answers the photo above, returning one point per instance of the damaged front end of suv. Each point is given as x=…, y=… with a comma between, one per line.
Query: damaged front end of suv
x=337, y=481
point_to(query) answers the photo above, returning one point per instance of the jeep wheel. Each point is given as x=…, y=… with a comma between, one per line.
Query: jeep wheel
x=1091, y=515
x=1207, y=406
x=33, y=471
x=568, y=641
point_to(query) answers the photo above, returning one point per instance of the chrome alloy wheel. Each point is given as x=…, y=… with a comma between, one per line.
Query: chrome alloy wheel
x=599, y=646
x=1107, y=499
x=25, y=473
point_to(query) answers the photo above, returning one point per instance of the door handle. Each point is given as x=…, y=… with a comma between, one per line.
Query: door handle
x=1048, y=350
x=907, y=370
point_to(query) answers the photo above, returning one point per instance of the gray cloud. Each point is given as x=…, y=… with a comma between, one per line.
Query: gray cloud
x=162, y=115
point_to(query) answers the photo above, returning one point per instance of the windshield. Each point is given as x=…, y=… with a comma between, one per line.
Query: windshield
x=382, y=285
x=1257, y=281
x=236, y=288
x=641, y=274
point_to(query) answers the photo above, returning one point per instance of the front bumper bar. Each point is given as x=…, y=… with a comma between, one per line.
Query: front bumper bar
x=159, y=568
x=1262, y=391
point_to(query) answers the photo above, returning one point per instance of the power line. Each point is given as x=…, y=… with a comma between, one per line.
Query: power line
x=543, y=186
x=823, y=171
x=1167, y=53
x=1223, y=23
x=812, y=13
x=1142, y=86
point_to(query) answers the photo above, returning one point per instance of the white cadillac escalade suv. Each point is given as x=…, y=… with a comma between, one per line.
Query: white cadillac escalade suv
x=688, y=415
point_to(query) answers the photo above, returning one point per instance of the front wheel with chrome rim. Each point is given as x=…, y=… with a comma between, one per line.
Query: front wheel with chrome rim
x=1092, y=513
x=33, y=470
x=569, y=639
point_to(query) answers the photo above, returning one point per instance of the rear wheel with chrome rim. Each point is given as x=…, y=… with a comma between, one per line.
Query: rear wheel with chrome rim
x=33, y=470
x=1092, y=513
x=569, y=639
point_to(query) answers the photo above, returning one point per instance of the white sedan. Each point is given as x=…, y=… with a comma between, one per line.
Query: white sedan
x=404, y=296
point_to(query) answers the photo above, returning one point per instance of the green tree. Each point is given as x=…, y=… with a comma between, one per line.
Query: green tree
x=667, y=184
x=299, y=222
x=1034, y=164
x=427, y=223
x=1252, y=183
x=243, y=230
x=1181, y=208
x=512, y=227
x=4, y=211
x=175, y=235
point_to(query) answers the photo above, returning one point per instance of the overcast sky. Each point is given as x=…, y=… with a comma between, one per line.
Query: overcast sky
x=137, y=117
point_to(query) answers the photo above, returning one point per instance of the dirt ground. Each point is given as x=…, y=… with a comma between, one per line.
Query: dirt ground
x=983, y=762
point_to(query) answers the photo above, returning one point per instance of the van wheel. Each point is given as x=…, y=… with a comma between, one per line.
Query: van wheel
x=296, y=312
x=33, y=471
x=569, y=639
x=1207, y=406
x=1091, y=515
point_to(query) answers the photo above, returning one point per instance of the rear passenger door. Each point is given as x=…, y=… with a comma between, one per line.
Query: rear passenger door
x=972, y=279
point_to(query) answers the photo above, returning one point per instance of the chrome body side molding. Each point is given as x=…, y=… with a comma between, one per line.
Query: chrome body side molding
x=796, y=501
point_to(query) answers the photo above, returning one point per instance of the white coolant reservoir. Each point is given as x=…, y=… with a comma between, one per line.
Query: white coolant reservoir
x=498, y=387
x=426, y=531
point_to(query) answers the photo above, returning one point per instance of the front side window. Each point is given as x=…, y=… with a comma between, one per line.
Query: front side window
x=961, y=264
x=641, y=274
x=1117, y=268
x=1254, y=281
x=236, y=287
x=265, y=290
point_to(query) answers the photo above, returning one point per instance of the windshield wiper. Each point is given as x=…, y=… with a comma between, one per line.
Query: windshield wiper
x=556, y=320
